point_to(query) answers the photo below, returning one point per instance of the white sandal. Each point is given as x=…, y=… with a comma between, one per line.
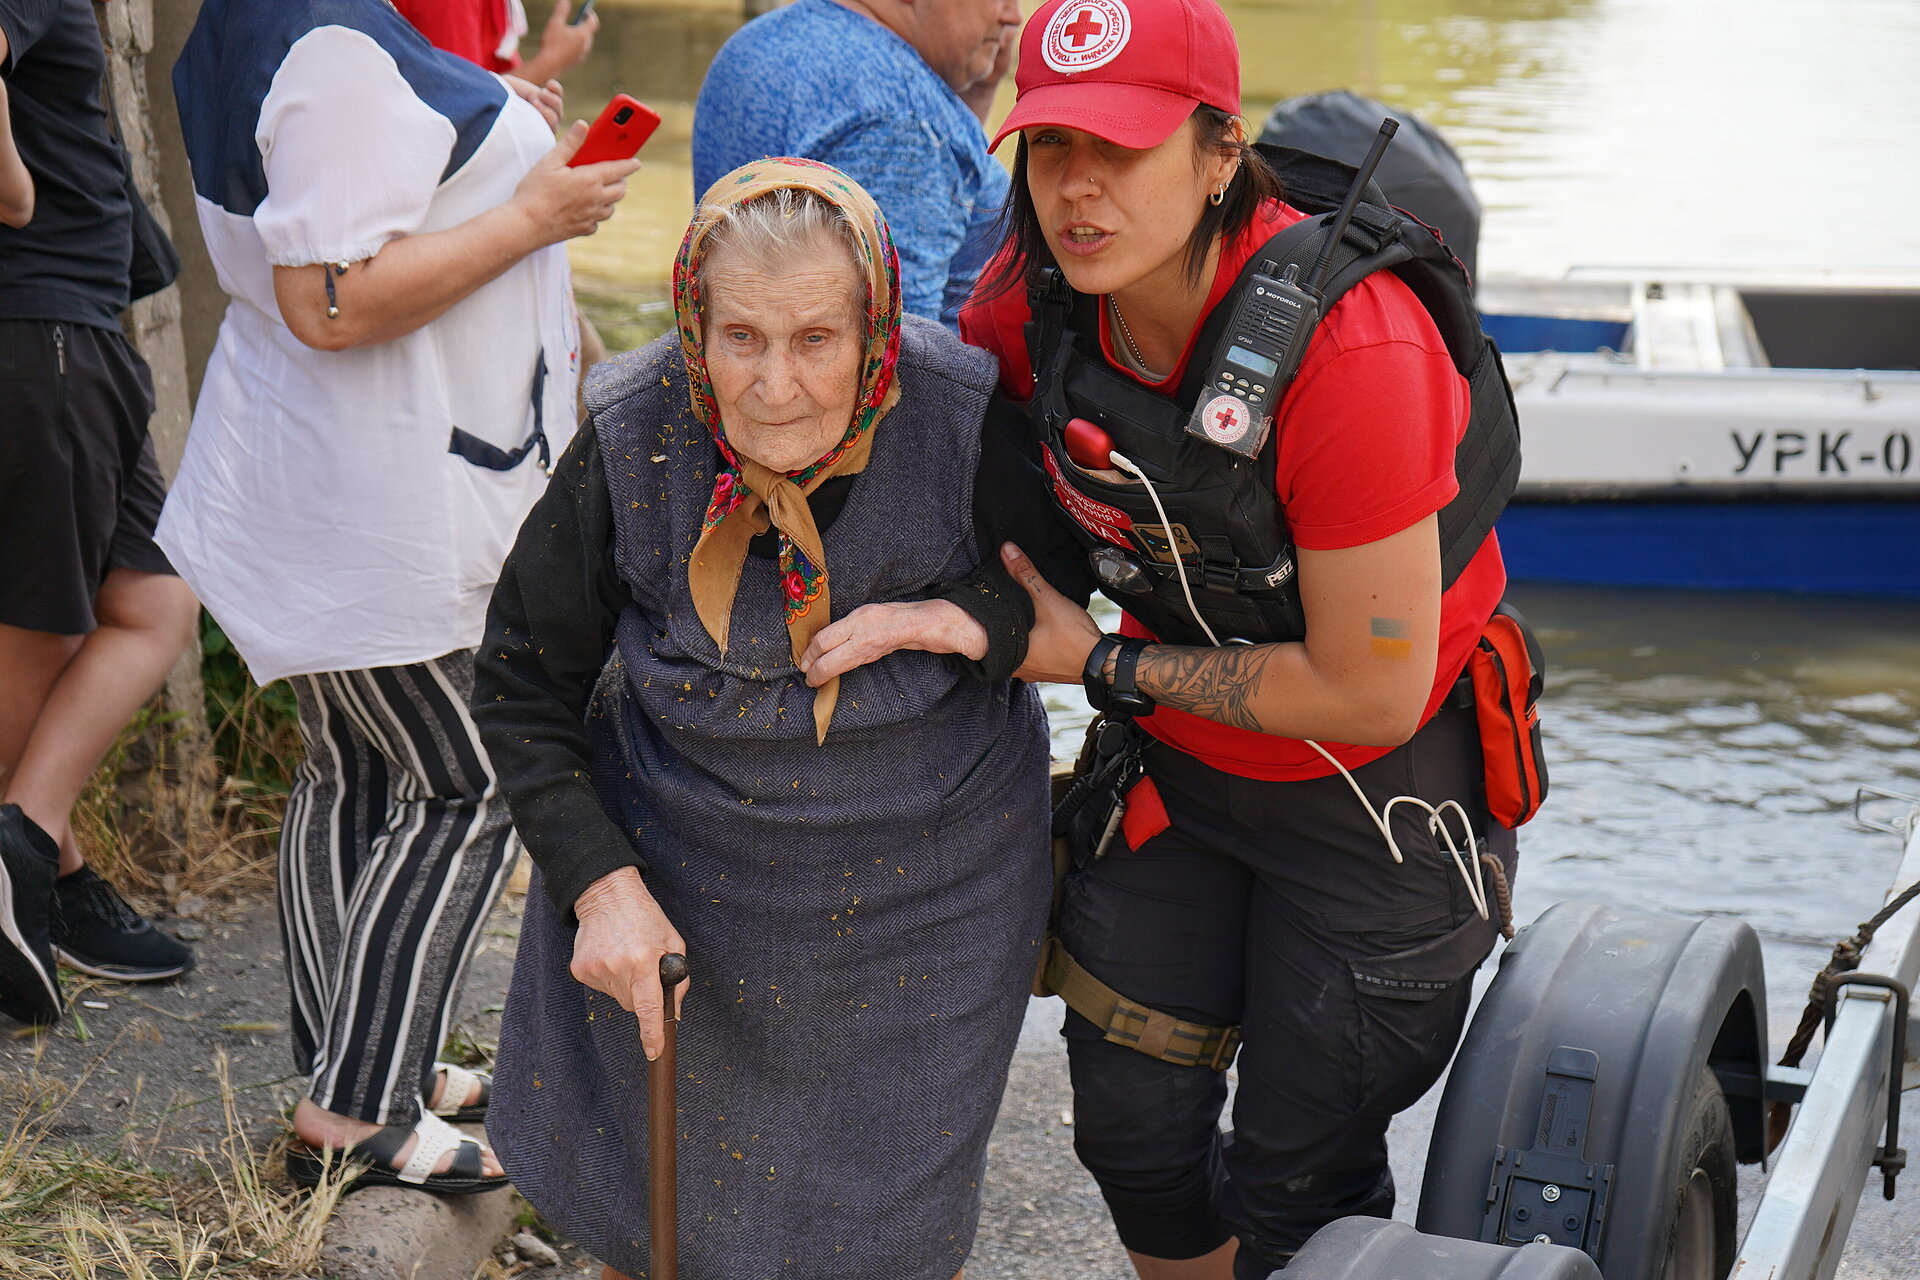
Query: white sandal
x=307, y=1165
x=459, y=1084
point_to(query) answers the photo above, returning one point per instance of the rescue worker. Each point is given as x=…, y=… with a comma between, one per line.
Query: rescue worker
x=1264, y=873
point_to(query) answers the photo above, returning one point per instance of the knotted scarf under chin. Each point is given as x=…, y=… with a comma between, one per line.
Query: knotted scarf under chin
x=767, y=498
x=748, y=498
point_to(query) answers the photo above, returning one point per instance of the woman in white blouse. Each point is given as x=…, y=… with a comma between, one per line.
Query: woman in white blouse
x=396, y=369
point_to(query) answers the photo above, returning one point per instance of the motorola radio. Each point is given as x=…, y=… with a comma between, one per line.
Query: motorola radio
x=1267, y=334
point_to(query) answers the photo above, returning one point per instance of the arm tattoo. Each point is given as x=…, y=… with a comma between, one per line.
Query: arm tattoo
x=1216, y=684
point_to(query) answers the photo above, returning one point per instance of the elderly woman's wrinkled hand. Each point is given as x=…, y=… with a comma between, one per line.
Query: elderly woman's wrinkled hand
x=561, y=202
x=623, y=933
x=873, y=631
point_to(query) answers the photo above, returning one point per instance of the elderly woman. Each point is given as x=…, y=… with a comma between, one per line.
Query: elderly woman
x=855, y=870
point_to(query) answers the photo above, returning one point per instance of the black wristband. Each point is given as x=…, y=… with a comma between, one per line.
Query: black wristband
x=1123, y=696
x=1093, y=676
x=1119, y=696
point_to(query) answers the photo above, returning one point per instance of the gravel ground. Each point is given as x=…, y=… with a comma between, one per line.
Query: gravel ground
x=147, y=1058
x=151, y=1054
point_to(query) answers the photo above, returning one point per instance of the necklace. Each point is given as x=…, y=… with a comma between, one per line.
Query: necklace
x=1126, y=334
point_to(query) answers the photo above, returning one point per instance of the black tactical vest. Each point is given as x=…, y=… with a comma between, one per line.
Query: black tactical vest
x=1224, y=528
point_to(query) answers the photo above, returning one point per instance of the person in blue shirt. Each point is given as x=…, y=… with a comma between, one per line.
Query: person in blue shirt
x=890, y=92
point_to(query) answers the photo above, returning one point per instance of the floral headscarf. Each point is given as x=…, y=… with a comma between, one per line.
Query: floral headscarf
x=747, y=497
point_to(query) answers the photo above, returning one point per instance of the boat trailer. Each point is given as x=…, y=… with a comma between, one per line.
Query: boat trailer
x=1616, y=1071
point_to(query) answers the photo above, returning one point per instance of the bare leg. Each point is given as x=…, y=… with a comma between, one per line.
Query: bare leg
x=146, y=620
x=1217, y=1265
x=30, y=664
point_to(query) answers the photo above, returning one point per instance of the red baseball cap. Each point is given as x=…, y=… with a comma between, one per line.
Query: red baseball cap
x=1128, y=71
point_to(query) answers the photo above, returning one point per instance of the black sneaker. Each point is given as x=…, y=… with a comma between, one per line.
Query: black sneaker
x=96, y=932
x=29, y=863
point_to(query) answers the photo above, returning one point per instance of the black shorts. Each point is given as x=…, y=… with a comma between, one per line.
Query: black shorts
x=80, y=493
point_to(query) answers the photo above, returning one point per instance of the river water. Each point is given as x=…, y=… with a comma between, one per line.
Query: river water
x=1615, y=132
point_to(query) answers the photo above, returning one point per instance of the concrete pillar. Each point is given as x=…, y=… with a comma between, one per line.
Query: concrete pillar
x=168, y=777
x=201, y=300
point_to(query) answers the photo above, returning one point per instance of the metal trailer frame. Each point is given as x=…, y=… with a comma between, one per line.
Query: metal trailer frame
x=1801, y=1223
x=1563, y=1117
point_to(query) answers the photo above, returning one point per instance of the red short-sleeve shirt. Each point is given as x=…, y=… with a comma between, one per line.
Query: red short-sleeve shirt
x=1365, y=438
x=471, y=29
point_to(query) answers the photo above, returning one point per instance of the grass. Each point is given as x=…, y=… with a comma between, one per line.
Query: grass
x=73, y=1213
x=131, y=1207
x=122, y=1208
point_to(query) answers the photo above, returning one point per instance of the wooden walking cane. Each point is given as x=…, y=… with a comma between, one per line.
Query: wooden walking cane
x=663, y=1127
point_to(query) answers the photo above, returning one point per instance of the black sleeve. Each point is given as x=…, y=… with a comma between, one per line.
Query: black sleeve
x=1013, y=503
x=549, y=629
x=23, y=25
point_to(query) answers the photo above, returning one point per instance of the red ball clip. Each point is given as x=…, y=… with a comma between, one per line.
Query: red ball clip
x=1089, y=446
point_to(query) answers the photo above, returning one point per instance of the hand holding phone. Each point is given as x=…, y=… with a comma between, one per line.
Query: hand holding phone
x=622, y=129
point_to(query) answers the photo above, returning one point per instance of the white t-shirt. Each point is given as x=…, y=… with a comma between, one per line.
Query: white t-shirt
x=320, y=511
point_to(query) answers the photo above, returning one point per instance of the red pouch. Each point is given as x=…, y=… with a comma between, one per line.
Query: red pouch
x=1146, y=815
x=1506, y=668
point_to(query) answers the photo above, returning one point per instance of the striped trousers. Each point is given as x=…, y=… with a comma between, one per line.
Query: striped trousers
x=395, y=848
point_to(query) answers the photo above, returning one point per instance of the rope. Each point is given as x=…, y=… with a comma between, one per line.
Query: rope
x=1502, y=895
x=1846, y=958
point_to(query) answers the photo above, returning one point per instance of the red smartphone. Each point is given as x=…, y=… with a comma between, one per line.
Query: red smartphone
x=622, y=129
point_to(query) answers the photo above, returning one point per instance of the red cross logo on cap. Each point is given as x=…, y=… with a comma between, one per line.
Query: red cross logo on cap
x=1084, y=34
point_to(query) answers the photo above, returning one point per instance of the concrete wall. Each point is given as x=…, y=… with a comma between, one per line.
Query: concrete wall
x=167, y=780
x=201, y=303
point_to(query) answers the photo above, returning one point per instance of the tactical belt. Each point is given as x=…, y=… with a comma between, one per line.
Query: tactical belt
x=1158, y=1035
x=1122, y=1021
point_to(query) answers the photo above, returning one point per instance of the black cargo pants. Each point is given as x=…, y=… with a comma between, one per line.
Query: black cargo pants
x=1277, y=906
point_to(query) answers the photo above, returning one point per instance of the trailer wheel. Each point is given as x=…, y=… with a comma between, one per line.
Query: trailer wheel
x=1700, y=1234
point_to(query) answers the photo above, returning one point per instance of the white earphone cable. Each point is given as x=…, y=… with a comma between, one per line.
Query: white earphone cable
x=1126, y=464
x=1472, y=875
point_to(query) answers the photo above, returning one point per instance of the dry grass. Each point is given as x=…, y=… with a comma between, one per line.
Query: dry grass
x=224, y=851
x=73, y=1214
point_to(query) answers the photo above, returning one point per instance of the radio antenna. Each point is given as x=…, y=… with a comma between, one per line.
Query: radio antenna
x=1388, y=128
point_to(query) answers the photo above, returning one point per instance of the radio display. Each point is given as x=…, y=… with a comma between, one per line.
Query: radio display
x=1248, y=359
